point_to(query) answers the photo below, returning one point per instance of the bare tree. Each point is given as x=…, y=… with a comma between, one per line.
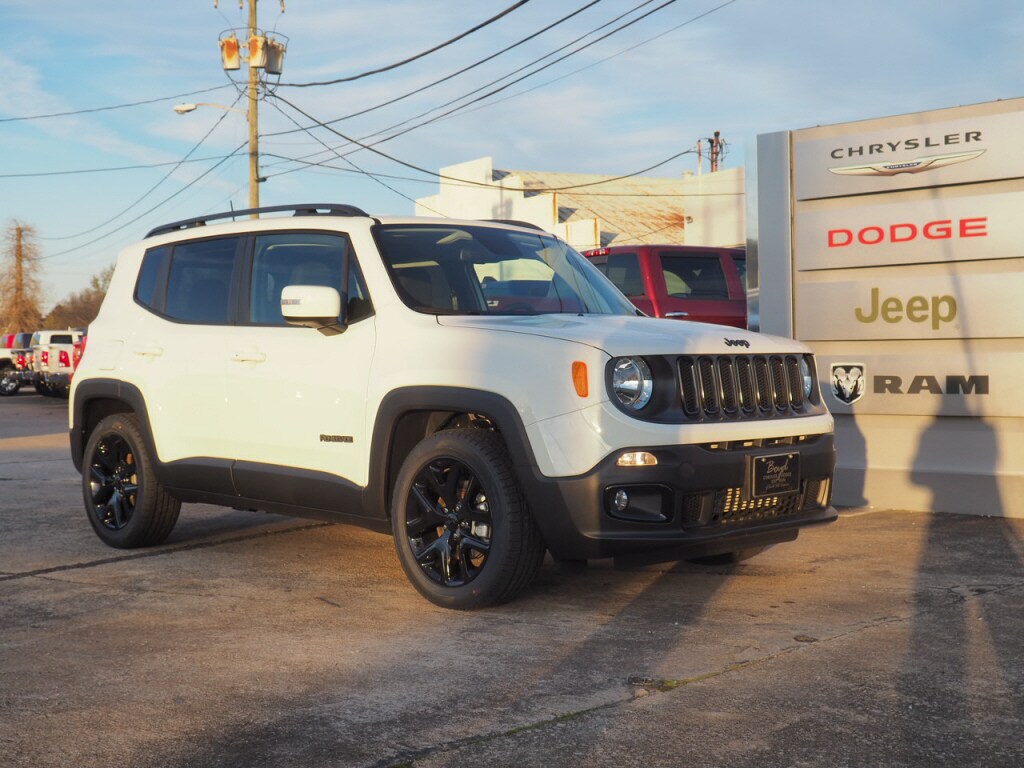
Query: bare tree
x=20, y=292
x=80, y=308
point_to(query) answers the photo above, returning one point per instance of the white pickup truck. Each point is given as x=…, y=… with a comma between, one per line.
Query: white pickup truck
x=52, y=354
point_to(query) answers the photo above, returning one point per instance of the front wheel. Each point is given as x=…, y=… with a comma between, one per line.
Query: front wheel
x=9, y=382
x=462, y=530
x=126, y=505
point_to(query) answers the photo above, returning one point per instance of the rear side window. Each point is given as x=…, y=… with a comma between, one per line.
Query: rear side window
x=199, y=281
x=302, y=258
x=151, y=276
x=694, y=277
x=623, y=269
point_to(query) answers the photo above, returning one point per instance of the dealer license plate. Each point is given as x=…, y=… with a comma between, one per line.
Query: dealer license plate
x=775, y=475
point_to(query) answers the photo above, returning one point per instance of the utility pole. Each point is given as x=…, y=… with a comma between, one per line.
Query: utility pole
x=266, y=52
x=19, y=271
x=716, y=150
x=253, y=117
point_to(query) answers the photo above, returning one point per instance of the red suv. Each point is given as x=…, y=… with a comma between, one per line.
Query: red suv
x=684, y=282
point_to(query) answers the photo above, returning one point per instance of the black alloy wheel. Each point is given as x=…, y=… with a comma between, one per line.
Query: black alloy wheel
x=448, y=524
x=113, y=482
x=463, y=534
x=126, y=505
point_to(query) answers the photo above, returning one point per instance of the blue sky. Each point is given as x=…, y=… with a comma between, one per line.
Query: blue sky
x=751, y=67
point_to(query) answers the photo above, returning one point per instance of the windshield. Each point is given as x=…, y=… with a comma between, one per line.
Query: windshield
x=478, y=270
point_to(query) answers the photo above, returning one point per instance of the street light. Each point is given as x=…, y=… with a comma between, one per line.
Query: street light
x=183, y=109
x=254, y=146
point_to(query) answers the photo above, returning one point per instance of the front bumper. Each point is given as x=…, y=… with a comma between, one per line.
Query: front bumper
x=694, y=502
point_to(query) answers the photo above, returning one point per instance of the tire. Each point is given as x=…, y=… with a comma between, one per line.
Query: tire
x=42, y=389
x=729, y=558
x=462, y=530
x=125, y=504
x=9, y=382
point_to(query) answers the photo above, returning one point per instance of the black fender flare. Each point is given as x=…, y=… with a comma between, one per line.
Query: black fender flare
x=110, y=390
x=400, y=402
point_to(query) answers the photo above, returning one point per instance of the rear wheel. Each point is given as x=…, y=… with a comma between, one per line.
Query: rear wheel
x=126, y=505
x=462, y=531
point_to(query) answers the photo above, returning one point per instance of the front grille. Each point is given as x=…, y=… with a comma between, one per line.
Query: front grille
x=732, y=509
x=726, y=387
x=728, y=507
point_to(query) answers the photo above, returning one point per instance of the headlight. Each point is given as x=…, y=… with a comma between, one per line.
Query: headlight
x=805, y=371
x=632, y=382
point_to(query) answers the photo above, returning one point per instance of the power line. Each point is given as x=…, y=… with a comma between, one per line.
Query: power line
x=354, y=166
x=307, y=165
x=73, y=172
x=462, y=108
x=328, y=124
x=107, y=109
x=513, y=82
x=437, y=175
x=420, y=55
x=167, y=199
x=546, y=83
x=155, y=186
x=465, y=69
x=455, y=110
x=476, y=90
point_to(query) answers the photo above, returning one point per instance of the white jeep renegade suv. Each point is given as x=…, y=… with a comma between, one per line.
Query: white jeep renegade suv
x=477, y=388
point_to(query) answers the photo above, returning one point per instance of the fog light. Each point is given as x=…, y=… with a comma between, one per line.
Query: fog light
x=621, y=500
x=637, y=459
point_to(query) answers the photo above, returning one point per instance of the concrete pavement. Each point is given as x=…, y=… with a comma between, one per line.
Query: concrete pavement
x=887, y=639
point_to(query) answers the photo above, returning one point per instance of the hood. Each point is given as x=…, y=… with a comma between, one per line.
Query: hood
x=620, y=335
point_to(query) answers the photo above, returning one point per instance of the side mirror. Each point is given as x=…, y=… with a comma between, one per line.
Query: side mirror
x=313, y=306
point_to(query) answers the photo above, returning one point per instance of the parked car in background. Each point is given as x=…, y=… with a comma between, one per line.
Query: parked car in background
x=43, y=343
x=681, y=282
x=13, y=362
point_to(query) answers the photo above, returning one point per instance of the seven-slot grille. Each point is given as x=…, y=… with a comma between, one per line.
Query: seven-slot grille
x=717, y=387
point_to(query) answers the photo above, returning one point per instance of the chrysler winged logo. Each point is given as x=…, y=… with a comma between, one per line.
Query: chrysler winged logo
x=848, y=382
x=918, y=165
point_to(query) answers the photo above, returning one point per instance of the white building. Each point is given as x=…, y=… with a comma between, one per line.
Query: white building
x=589, y=210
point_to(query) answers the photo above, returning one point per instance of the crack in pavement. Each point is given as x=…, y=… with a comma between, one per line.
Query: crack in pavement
x=158, y=553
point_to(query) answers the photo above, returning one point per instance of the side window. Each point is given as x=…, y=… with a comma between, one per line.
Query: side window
x=623, y=269
x=151, y=274
x=690, y=276
x=199, y=281
x=302, y=258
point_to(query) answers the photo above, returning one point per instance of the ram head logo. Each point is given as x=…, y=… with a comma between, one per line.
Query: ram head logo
x=848, y=381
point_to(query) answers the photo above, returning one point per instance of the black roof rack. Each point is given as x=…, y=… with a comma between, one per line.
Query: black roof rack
x=517, y=223
x=306, y=209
